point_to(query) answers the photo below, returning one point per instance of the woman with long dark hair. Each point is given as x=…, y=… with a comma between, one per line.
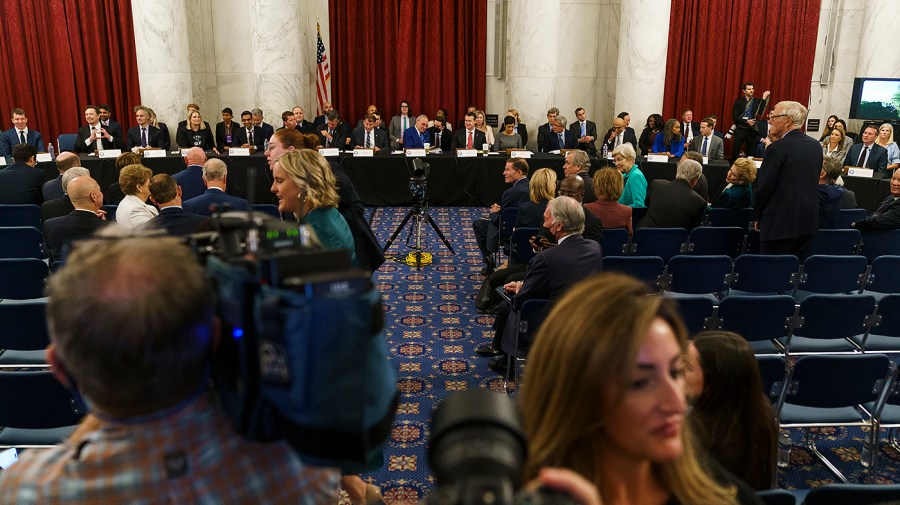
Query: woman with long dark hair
x=669, y=142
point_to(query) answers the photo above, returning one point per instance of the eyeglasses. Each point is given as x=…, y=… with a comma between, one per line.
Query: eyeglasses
x=773, y=116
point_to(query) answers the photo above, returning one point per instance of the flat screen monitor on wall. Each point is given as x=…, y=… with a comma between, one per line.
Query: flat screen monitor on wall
x=875, y=98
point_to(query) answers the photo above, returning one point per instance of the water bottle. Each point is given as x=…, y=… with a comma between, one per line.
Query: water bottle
x=605, y=151
x=266, y=145
x=784, y=449
x=866, y=453
x=51, y=151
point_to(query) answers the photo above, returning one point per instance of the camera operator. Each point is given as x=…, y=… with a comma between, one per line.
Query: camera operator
x=132, y=327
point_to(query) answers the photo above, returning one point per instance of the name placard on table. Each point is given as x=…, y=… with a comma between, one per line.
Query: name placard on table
x=42, y=157
x=415, y=153
x=184, y=152
x=363, y=153
x=860, y=172
x=239, y=151
x=330, y=151
x=657, y=158
x=520, y=153
x=2, y=161
x=154, y=153
x=466, y=153
x=109, y=153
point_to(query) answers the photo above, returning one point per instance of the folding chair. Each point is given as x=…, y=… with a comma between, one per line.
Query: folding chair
x=730, y=217
x=267, y=208
x=35, y=410
x=66, y=141
x=772, y=372
x=531, y=315
x=887, y=415
x=22, y=242
x=831, y=274
x=662, y=242
x=20, y=215
x=507, y=223
x=520, y=250
x=644, y=268
x=764, y=274
x=836, y=242
x=818, y=393
x=715, y=240
x=884, y=276
x=110, y=212
x=848, y=216
x=762, y=320
x=637, y=213
x=828, y=323
x=615, y=242
x=885, y=337
x=21, y=279
x=698, y=312
x=23, y=334
x=857, y=494
x=697, y=275
x=777, y=497
x=880, y=243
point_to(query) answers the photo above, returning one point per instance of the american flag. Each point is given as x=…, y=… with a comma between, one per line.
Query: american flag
x=323, y=74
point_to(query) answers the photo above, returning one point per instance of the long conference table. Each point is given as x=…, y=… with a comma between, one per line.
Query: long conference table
x=383, y=180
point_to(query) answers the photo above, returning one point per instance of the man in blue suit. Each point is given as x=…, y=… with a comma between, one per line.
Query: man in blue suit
x=191, y=178
x=487, y=230
x=21, y=182
x=559, y=137
x=867, y=153
x=19, y=134
x=415, y=136
x=215, y=174
x=166, y=194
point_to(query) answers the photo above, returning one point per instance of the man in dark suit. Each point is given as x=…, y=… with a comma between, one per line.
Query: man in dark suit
x=86, y=217
x=867, y=153
x=144, y=134
x=707, y=143
x=166, y=194
x=332, y=133
x=544, y=129
x=249, y=135
x=368, y=136
x=675, y=204
x=320, y=120
x=93, y=136
x=619, y=134
x=53, y=188
x=887, y=215
x=19, y=134
x=215, y=176
x=786, y=190
x=288, y=121
x=113, y=127
x=549, y=274
x=689, y=127
x=62, y=206
x=21, y=182
x=303, y=126
x=487, y=230
x=559, y=137
x=440, y=136
x=226, y=130
x=190, y=179
x=585, y=131
x=578, y=163
x=468, y=137
x=416, y=135
x=744, y=114
x=267, y=129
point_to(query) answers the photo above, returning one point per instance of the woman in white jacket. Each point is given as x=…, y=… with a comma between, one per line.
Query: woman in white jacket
x=135, y=183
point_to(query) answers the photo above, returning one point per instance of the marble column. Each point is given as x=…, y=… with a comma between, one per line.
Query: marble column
x=641, y=73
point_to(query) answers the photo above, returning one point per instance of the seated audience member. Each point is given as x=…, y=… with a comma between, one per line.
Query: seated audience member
x=287, y=119
x=706, y=143
x=371, y=109
x=849, y=138
x=654, y=126
x=20, y=134
x=441, y=112
x=867, y=153
x=585, y=132
x=114, y=128
x=320, y=120
x=135, y=183
x=618, y=135
x=702, y=186
x=689, y=127
x=608, y=341
x=481, y=124
x=541, y=189
x=189, y=108
x=332, y=134
x=62, y=206
x=249, y=135
x=559, y=137
x=669, y=141
x=518, y=127
x=487, y=230
x=165, y=193
x=738, y=193
x=834, y=145
x=53, y=189
x=573, y=186
x=22, y=182
x=886, y=140
x=545, y=129
x=624, y=116
x=462, y=122
x=731, y=415
x=468, y=137
x=608, y=186
x=138, y=347
x=635, y=190
x=508, y=138
x=196, y=134
x=144, y=134
x=267, y=129
x=94, y=136
x=83, y=221
x=674, y=204
x=369, y=136
x=165, y=141
x=829, y=125
x=215, y=177
x=303, y=126
x=191, y=178
x=550, y=273
x=887, y=215
x=417, y=135
x=226, y=130
x=441, y=136
x=399, y=124
x=578, y=163
x=830, y=194
x=113, y=194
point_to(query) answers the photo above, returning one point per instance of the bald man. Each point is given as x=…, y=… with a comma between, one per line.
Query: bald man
x=53, y=189
x=86, y=197
x=619, y=134
x=191, y=178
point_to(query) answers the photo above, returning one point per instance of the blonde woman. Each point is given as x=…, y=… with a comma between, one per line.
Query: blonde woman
x=737, y=193
x=886, y=140
x=480, y=124
x=541, y=189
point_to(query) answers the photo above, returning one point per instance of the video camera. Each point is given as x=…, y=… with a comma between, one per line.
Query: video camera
x=418, y=180
x=302, y=355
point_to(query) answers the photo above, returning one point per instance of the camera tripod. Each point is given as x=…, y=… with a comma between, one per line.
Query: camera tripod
x=419, y=214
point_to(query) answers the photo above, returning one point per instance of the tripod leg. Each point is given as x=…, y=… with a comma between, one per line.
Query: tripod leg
x=438, y=231
x=390, y=241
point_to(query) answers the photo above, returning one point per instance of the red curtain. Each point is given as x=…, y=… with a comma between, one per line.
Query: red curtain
x=429, y=53
x=61, y=55
x=715, y=45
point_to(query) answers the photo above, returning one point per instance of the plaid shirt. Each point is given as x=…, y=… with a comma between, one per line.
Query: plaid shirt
x=191, y=456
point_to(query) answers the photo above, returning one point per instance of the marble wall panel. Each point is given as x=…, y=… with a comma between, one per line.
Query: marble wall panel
x=578, y=42
x=643, y=43
x=532, y=50
x=237, y=90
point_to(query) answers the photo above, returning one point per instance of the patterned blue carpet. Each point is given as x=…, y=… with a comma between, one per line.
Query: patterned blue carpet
x=433, y=329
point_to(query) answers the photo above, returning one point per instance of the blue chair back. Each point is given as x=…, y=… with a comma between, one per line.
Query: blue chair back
x=834, y=316
x=23, y=325
x=644, y=268
x=889, y=312
x=520, y=251
x=18, y=393
x=710, y=240
x=772, y=274
x=66, y=141
x=698, y=274
x=22, y=242
x=20, y=215
x=857, y=494
x=836, y=242
x=772, y=371
x=531, y=315
x=637, y=213
x=884, y=277
x=110, y=212
x=21, y=279
x=615, y=242
x=820, y=380
x=848, y=216
x=696, y=311
x=267, y=208
x=662, y=242
x=881, y=243
x=730, y=217
x=832, y=274
x=757, y=318
x=508, y=221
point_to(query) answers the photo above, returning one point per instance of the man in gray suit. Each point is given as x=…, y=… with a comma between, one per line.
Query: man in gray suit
x=708, y=143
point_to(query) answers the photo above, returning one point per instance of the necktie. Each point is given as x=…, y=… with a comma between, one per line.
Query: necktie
x=368, y=140
x=703, y=149
x=469, y=142
x=99, y=139
x=863, y=157
x=328, y=142
x=437, y=139
x=22, y=137
x=405, y=124
x=562, y=143
x=250, y=137
x=143, y=137
x=618, y=140
x=583, y=129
